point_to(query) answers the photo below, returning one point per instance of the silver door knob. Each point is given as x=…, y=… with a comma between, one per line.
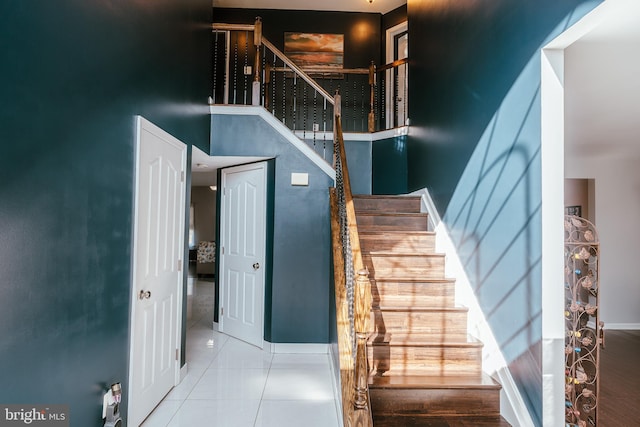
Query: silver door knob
x=256, y=266
x=144, y=295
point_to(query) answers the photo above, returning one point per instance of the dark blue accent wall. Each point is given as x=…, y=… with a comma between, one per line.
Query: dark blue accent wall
x=73, y=75
x=389, y=166
x=301, y=244
x=475, y=143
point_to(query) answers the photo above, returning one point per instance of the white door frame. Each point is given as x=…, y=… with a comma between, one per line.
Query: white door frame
x=552, y=212
x=143, y=124
x=391, y=33
x=223, y=223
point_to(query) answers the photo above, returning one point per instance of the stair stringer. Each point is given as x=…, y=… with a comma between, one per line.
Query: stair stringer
x=512, y=406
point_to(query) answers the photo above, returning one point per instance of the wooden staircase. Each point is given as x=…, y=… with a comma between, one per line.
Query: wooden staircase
x=424, y=369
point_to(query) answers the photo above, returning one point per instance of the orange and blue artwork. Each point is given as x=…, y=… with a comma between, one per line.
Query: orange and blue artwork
x=310, y=50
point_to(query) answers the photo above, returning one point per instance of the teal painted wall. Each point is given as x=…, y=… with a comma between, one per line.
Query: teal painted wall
x=475, y=143
x=74, y=73
x=298, y=306
x=389, y=166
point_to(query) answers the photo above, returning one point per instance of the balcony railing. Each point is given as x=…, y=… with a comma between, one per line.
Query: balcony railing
x=250, y=70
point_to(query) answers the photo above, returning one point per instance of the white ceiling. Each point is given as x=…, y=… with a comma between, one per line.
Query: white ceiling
x=379, y=6
x=602, y=85
x=204, y=168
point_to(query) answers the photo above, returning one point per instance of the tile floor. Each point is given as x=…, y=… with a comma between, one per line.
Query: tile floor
x=233, y=384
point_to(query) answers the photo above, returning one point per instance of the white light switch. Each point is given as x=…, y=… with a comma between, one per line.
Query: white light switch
x=300, y=179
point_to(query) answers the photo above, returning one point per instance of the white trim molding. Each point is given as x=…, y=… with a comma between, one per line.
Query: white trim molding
x=295, y=348
x=622, y=326
x=512, y=406
x=337, y=391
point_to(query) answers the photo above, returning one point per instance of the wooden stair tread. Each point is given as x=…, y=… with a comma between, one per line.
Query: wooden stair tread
x=396, y=233
x=411, y=280
x=482, y=381
x=420, y=309
x=386, y=196
x=399, y=420
x=392, y=214
x=384, y=253
x=417, y=339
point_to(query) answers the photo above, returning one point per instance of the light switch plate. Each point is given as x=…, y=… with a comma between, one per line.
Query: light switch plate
x=300, y=179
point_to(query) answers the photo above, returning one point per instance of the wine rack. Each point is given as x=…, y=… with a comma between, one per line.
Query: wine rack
x=584, y=330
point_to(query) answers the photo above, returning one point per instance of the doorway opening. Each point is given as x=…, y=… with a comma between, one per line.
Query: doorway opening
x=202, y=298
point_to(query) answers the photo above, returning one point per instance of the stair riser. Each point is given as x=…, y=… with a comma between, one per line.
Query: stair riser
x=450, y=325
x=436, y=402
x=413, y=294
x=405, y=267
x=398, y=204
x=417, y=222
x=408, y=360
x=401, y=243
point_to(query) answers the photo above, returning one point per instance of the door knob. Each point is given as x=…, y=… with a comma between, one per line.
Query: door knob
x=144, y=295
x=256, y=266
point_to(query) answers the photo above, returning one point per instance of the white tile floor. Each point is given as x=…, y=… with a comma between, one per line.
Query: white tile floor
x=231, y=383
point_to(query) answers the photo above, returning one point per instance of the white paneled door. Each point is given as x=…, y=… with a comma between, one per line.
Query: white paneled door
x=157, y=264
x=242, y=252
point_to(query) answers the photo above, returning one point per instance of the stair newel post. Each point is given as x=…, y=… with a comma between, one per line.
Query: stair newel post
x=257, y=42
x=362, y=310
x=372, y=85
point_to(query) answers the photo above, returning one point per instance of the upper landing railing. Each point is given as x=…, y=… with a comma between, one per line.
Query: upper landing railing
x=250, y=70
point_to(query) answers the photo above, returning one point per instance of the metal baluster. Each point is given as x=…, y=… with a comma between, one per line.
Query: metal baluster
x=362, y=114
x=375, y=100
x=295, y=100
x=396, y=99
x=215, y=66
x=314, y=125
x=355, y=104
x=273, y=86
x=246, y=64
x=284, y=95
x=225, y=68
x=235, y=71
x=304, y=111
x=324, y=128
x=263, y=89
x=383, y=103
x=345, y=109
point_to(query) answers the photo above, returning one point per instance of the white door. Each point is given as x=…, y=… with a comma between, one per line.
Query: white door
x=242, y=231
x=157, y=277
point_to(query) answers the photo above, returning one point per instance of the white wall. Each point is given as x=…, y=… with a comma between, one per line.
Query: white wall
x=204, y=200
x=601, y=142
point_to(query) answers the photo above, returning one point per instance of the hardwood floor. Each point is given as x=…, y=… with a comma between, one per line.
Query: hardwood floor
x=620, y=379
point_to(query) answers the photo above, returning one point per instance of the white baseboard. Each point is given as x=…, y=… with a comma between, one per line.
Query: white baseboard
x=622, y=326
x=296, y=348
x=337, y=391
x=183, y=371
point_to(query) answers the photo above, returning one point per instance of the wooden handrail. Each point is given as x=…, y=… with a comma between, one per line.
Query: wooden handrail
x=299, y=71
x=232, y=27
x=393, y=64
